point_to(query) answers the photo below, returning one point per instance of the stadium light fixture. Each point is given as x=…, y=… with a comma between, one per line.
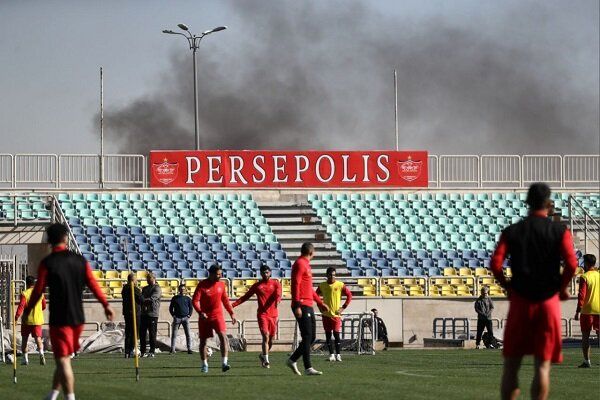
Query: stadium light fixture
x=194, y=42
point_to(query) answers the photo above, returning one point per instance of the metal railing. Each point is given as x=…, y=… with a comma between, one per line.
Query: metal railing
x=580, y=220
x=445, y=171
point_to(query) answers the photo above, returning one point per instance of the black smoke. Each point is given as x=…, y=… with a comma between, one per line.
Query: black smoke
x=319, y=75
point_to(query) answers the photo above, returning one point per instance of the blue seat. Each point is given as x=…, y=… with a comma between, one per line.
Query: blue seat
x=207, y=256
x=153, y=265
x=381, y=263
x=443, y=263
x=167, y=265
x=251, y=255
x=192, y=256
x=201, y=247
x=111, y=239
x=486, y=263
x=411, y=263
x=361, y=254
x=450, y=254
x=353, y=273
x=467, y=254
x=387, y=272
x=246, y=273
x=212, y=239
x=158, y=273
x=162, y=256
x=73, y=221
x=279, y=255
x=418, y=272
x=197, y=239
x=80, y=239
x=437, y=254
x=346, y=254
x=182, y=265
x=273, y=264
x=402, y=271
x=91, y=230
x=230, y=273
x=136, y=265
x=168, y=239
x=261, y=247
x=231, y=247
x=288, y=273
x=474, y=263
x=93, y=264
x=139, y=239
x=395, y=263
x=256, y=264
x=120, y=265
x=371, y=272
x=241, y=264
x=154, y=239
x=147, y=256
x=433, y=271
x=107, y=230
x=134, y=256
x=351, y=263
x=391, y=254
x=106, y=265
x=406, y=254
x=172, y=273
x=217, y=247
x=266, y=255
x=221, y=255
x=172, y=247
x=482, y=254
x=276, y=273
x=285, y=264
x=458, y=263
x=236, y=255
x=96, y=239
x=377, y=254
x=274, y=246
x=102, y=256
x=201, y=273
x=427, y=263
x=119, y=256
x=85, y=248
x=183, y=239
x=365, y=263
x=196, y=265
x=186, y=273
x=246, y=247
x=187, y=247
x=136, y=230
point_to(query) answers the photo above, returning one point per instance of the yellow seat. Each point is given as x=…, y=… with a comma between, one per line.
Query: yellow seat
x=124, y=274
x=480, y=271
x=447, y=290
x=385, y=291
x=141, y=275
x=369, y=290
x=112, y=275
x=465, y=271
x=106, y=291
x=399, y=291
x=143, y=283
x=507, y=271
x=440, y=281
x=116, y=283
x=98, y=274
x=393, y=281
x=449, y=271
x=416, y=291
x=364, y=281
x=488, y=280
x=116, y=292
x=191, y=283
x=102, y=283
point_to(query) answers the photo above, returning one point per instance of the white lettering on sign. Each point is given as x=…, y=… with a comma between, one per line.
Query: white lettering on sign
x=331, y=168
x=212, y=168
x=192, y=170
x=383, y=168
x=345, y=157
x=300, y=170
x=237, y=170
x=259, y=169
x=279, y=166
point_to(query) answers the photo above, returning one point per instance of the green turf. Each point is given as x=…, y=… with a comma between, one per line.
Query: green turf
x=403, y=374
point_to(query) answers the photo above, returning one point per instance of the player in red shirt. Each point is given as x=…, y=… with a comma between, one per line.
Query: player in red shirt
x=66, y=274
x=209, y=297
x=268, y=294
x=536, y=246
x=303, y=297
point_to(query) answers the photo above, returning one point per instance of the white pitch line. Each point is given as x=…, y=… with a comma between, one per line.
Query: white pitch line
x=413, y=374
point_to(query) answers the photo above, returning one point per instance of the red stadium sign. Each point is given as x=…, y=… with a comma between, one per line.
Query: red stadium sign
x=285, y=169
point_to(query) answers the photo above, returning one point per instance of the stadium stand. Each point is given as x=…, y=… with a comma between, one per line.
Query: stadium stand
x=392, y=244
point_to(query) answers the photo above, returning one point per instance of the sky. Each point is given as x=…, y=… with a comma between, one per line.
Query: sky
x=474, y=77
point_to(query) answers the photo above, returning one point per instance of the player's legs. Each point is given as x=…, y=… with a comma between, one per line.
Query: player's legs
x=63, y=376
x=186, y=329
x=40, y=348
x=153, y=328
x=306, y=333
x=328, y=342
x=585, y=344
x=143, y=333
x=174, y=329
x=510, y=378
x=224, y=345
x=480, y=327
x=540, y=386
x=336, y=337
x=24, y=340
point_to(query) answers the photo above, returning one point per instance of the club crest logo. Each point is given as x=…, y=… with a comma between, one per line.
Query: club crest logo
x=410, y=170
x=165, y=172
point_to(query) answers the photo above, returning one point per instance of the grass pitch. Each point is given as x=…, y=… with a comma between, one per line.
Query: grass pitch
x=403, y=374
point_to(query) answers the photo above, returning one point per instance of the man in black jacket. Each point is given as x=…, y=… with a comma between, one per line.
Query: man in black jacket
x=382, y=333
x=150, y=310
x=181, y=310
x=130, y=346
x=483, y=308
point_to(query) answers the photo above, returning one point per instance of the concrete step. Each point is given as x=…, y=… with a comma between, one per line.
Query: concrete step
x=295, y=245
x=295, y=219
x=298, y=229
x=285, y=211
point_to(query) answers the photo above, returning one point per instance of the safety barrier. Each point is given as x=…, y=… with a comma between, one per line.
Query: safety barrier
x=445, y=171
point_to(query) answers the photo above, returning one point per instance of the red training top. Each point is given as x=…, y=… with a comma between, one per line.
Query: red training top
x=268, y=295
x=208, y=297
x=303, y=293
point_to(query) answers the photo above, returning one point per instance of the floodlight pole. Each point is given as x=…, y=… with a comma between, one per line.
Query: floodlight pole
x=194, y=43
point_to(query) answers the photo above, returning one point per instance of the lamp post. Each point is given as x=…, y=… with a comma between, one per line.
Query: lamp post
x=194, y=42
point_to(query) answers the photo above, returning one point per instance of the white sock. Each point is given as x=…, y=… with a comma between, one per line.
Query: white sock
x=224, y=360
x=205, y=363
x=266, y=356
x=26, y=356
x=41, y=350
x=53, y=395
x=71, y=396
x=588, y=361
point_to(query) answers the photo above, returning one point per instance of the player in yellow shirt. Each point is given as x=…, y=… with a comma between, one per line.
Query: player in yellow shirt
x=588, y=304
x=332, y=291
x=31, y=323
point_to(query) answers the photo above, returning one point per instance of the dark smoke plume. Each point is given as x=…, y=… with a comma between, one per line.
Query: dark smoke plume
x=318, y=75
